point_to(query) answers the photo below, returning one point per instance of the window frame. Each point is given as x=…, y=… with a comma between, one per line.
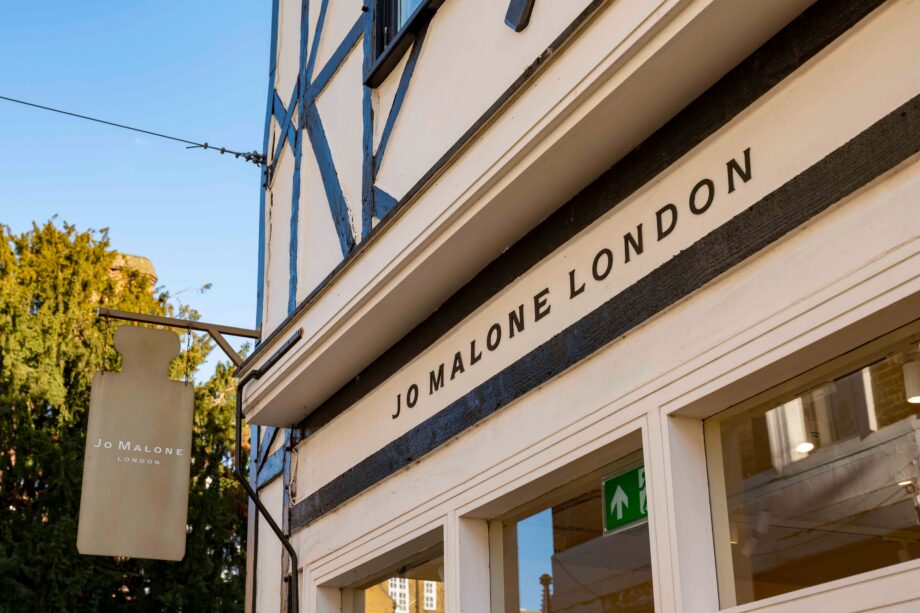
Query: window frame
x=388, y=53
x=628, y=449
x=839, y=363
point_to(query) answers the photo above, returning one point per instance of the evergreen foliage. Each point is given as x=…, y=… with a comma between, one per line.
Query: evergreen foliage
x=52, y=279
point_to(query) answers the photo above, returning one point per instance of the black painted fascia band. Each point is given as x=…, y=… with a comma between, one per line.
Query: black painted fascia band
x=878, y=149
x=775, y=60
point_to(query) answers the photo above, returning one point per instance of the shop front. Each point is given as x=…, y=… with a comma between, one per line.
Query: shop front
x=636, y=329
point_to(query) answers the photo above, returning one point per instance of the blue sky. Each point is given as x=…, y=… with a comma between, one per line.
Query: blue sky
x=535, y=551
x=196, y=70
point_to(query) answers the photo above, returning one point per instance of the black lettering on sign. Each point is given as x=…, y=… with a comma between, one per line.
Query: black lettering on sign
x=516, y=321
x=541, y=306
x=574, y=291
x=672, y=211
x=632, y=242
x=733, y=167
x=474, y=357
x=700, y=199
x=600, y=271
x=435, y=382
x=457, y=368
x=695, y=208
x=494, y=337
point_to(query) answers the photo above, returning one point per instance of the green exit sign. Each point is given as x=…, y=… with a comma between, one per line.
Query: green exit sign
x=625, y=500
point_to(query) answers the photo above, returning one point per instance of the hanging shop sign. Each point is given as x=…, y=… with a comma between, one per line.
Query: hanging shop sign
x=625, y=499
x=134, y=501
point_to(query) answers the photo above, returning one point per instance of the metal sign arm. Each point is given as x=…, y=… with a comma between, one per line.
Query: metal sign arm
x=256, y=373
x=216, y=331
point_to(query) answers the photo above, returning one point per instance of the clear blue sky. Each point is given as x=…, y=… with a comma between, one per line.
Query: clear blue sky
x=535, y=551
x=197, y=70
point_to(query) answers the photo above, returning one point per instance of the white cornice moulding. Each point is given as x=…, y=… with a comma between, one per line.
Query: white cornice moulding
x=415, y=261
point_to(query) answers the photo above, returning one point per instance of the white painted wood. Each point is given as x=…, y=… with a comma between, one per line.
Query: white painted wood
x=659, y=507
x=691, y=543
x=330, y=600
x=895, y=588
x=497, y=565
x=472, y=583
x=721, y=531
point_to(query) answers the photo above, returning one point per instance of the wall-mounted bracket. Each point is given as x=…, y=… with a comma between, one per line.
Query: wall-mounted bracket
x=216, y=331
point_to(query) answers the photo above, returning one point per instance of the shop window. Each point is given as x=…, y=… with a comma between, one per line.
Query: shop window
x=413, y=585
x=817, y=479
x=582, y=547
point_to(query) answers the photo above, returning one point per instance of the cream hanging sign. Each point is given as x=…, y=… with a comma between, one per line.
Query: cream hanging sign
x=136, y=466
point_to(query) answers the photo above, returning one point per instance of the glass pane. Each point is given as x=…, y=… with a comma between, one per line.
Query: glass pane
x=415, y=588
x=817, y=486
x=560, y=559
x=405, y=8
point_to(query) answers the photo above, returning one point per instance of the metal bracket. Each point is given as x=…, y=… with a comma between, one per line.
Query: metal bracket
x=216, y=331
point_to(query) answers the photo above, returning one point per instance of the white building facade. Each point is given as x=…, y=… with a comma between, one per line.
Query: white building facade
x=589, y=306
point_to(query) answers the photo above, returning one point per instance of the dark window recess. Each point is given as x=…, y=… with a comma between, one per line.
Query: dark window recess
x=396, y=25
x=392, y=15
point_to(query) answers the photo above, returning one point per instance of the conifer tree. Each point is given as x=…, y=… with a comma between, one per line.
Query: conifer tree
x=52, y=279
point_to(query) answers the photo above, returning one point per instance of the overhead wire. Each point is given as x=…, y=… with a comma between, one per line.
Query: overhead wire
x=251, y=156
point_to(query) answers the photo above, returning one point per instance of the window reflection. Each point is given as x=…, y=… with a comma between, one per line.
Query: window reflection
x=416, y=587
x=406, y=8
x=558, y=559
x=820, y=485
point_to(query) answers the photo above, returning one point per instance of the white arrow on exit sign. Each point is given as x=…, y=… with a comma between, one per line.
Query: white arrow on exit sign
x=620, y=500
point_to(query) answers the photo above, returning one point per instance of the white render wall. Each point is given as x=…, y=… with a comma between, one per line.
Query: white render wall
x=738, y=336
x=813, y=108
x=809, y=286
x=469, y=58
x=268, y=571
x=633, y=66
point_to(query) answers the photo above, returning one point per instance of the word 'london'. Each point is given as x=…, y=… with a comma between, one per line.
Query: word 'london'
x=700, y=199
